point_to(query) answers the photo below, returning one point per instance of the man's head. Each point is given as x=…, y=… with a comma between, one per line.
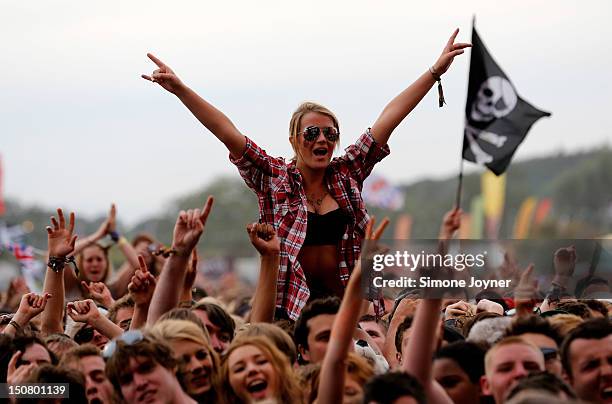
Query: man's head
x=543, y=382
x=401, y=337
x=394, y=388
x=313, y=327
x=508, y=361
x=586, y=355
x=458, y=368
x=375, y=329
x=54, y=375
x=122, y=311
x=539, y=332
x=218, y=323
x=34, y=351
x=87, y=360
x=142, y=369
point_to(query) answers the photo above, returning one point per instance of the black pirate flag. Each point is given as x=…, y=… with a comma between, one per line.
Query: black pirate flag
x=497, y=118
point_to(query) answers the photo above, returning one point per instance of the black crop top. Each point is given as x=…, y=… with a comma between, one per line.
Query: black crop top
x=326, y=229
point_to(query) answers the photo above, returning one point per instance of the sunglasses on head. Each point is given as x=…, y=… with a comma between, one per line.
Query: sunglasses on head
x=549, y=353
x=311, y=133
x=127, y=338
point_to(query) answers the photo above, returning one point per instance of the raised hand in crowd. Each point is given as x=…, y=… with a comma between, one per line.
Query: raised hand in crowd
x=141, y=289
x=17, y=288
x=19, y=374
x=61, y=243
x=266, y=242
x=333, y=369
x=30, y=306
x=86, y=311
x=164, y=76
x=190, y=277
x=102, y=231
x=459, y=309
x=99, y=292
x=187, y=232
x=564, y=262
x=450, y=224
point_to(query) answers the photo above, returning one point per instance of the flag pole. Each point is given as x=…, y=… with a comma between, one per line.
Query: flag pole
x=459, y=185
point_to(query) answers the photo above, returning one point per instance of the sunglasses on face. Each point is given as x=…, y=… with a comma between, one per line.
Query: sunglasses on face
x=84, y=335
x=311, y=133
x=549, y=353
x=127, y=338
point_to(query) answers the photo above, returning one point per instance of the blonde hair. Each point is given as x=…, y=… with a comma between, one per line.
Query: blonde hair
x=564, y=323
x=274, y=333
x=174, y=331
x=289, y=389
x=296, y=120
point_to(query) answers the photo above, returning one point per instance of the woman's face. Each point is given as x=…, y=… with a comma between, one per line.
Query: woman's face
x=353, y=391
x=94, y=264
x=314, y=154
x=251, y=374
x=195, y=366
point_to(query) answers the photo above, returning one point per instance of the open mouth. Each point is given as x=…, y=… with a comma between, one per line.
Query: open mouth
x=606, y=394
x=200, y=380
x=320, y=151
x=257, y=388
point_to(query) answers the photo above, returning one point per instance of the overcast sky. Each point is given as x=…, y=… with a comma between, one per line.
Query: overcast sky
x=79, y=128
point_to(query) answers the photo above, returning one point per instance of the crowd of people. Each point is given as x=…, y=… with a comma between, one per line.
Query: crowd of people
x=307, y=334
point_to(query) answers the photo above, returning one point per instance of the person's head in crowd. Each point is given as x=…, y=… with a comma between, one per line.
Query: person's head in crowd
x=50, y=374
x=198, y=362
x=508, y=361
x=218, y=323
x=458, y=368
x=6, y=352
x=545, y=382
x=308, y=379
x=469, y=322
x=313, y=327
x=122, y=311
x=402, y=335
x=83, y=333
x=143, y=369
x=306, y=115
x=93, y=263
x=358, y=372
x=187, y=315
x=375, y=328
x=59, y=344
x=540, y=333
x=538, y=397
x=564, y=323
x=586, y=355
x=488, y=331
x=597, y=308
x=33, y=351
x=394, y=388
x=88, y=360
x=279, y=338
x=253, y=369
x=574, y=307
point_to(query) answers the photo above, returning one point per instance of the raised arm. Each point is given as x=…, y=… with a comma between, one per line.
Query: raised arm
x=187, y=232
x=333, y=369
x=85, y=311
x=118, y=286
x=266, y=242
x=30, y=306
x=141, y=289
x=213, y=119
x=395, y=112
x=61, y=242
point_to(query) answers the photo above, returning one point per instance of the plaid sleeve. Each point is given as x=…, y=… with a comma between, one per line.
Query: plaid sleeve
x=360, y=158
x=256, y=167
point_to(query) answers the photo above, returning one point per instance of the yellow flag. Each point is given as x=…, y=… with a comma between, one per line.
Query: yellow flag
x=493, y=194
x=522, y=224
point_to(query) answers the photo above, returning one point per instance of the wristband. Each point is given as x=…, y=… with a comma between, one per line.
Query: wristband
x=122, y=240
x=438, y=78
x=57, y=263
x=16, y=326
x=114, y=235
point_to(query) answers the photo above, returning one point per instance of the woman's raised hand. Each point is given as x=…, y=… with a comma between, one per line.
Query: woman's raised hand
x=164, y=76
x=143, y=284
x=451, y=50
x=264, y=238
x=60, y=238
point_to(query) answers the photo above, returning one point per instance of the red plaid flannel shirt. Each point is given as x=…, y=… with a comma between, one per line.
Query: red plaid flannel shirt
x=282, y=203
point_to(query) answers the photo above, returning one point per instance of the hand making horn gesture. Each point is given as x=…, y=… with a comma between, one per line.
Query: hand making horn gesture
x=164, y=76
